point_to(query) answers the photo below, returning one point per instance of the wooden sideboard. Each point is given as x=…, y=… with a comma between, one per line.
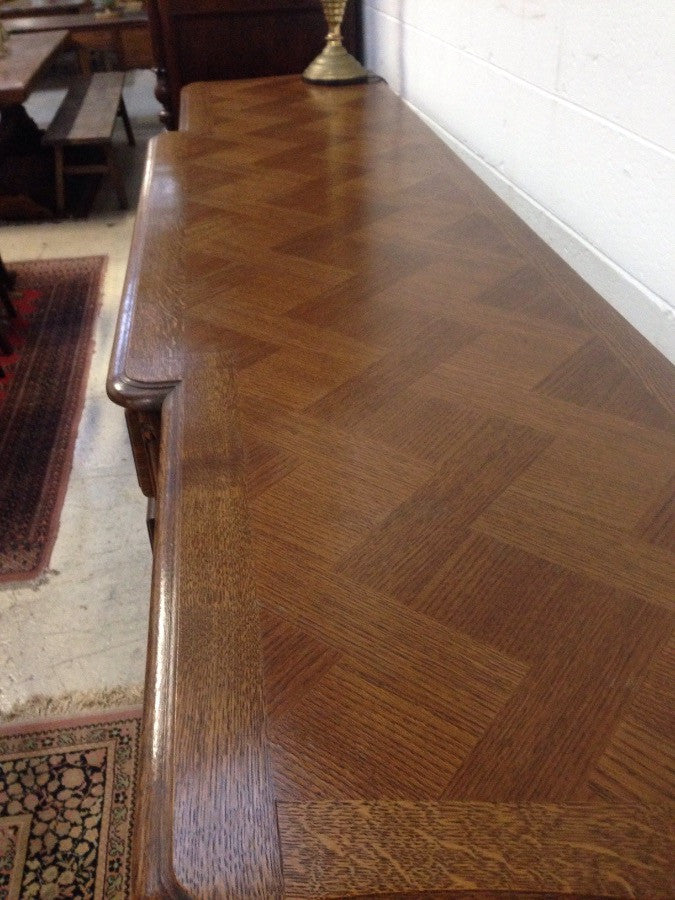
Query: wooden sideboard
x=202, y=40
x=411, y=606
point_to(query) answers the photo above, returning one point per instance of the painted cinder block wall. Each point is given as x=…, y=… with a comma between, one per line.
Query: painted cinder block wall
x=566, y=108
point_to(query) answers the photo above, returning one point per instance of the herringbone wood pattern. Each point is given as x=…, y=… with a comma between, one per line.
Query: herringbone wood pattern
x=458, y=484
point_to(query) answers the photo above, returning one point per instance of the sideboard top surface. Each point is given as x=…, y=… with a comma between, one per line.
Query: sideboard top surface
x=413, y=580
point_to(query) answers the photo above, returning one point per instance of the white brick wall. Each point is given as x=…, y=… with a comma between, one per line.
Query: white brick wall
x=567, y=109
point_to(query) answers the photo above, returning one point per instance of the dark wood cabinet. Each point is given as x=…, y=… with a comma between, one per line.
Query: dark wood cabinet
x=206, y=40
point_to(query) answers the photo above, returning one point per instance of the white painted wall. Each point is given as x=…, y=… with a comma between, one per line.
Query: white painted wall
x=567, y=109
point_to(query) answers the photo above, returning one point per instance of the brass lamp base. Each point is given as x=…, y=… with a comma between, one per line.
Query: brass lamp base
x=334, y=65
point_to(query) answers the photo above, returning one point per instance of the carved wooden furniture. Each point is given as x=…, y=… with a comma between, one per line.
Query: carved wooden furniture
x=411, y=617
x=126, y=35
x=200, y=40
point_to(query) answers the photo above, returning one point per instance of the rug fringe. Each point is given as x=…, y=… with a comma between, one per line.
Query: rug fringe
x=42, y=706
x=30, y=584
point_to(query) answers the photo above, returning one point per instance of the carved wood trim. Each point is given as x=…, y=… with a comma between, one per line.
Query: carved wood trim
x=207, y=824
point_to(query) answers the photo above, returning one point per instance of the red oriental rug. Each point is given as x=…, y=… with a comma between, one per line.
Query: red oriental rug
x=67, y=800
x=41, y=399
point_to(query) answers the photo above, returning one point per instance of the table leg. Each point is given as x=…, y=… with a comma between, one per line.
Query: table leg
x=126, y=122
x=18, y=132
x=117, y=177
x=7, y=280
x=59, y=178
x=25, y=180
x=84, y=58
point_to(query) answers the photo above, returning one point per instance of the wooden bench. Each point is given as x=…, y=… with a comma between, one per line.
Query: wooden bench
x=87, y=117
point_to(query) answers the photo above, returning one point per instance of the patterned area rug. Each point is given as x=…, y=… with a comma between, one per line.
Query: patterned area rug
x=41, y=398
x=67, y=799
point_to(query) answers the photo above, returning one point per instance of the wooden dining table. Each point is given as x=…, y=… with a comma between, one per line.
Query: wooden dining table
x=40, y=7
x=24, y=167
x=27, y=57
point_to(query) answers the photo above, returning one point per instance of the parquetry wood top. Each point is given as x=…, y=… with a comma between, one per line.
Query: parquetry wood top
x=413, y=591
x=27, y=55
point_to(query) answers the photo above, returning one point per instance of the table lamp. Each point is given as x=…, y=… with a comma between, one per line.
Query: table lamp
x=334, y=65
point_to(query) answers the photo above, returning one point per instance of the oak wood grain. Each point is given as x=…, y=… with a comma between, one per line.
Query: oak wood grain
x=225, y=837
x=411, y=627
x=348, y=849
x=153, y=873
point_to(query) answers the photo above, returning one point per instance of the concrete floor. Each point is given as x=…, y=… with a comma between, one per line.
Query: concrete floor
x=83, y=626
